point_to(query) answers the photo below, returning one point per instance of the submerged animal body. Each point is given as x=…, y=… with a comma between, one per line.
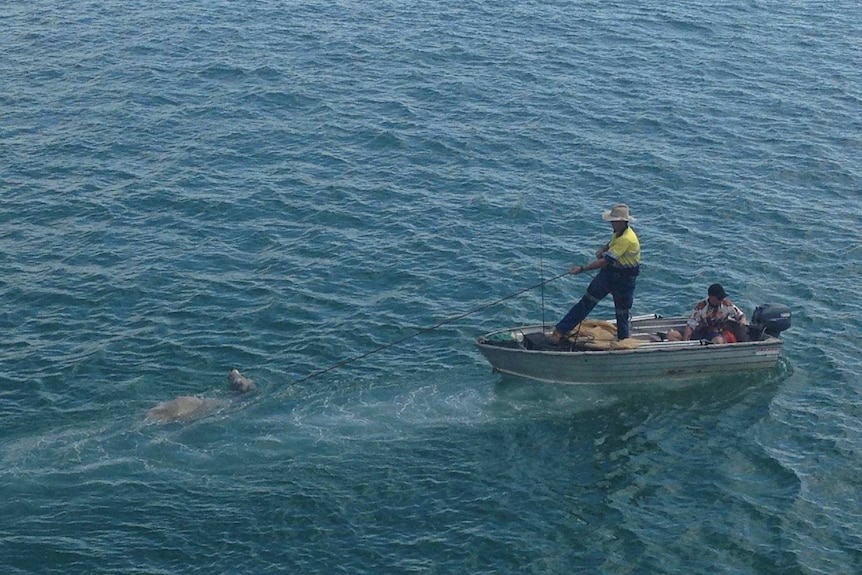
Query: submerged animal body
x=190, y=407
x=184, y=408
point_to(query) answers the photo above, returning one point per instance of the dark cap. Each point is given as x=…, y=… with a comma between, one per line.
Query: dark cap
x=717, y=291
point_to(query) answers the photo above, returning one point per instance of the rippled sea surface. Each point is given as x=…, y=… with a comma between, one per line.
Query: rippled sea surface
x=282, y=187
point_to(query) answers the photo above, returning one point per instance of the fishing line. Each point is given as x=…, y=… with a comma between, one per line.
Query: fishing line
x=425, y=330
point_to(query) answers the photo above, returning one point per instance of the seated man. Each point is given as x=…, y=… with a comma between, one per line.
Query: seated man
x=715, y=319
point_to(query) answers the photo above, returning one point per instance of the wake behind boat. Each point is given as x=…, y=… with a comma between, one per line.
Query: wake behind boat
x=527, y=352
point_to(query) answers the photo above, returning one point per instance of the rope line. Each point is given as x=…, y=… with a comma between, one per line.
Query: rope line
x=425, y=330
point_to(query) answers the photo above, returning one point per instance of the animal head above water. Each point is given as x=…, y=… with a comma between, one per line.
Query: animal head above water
x=240, y=383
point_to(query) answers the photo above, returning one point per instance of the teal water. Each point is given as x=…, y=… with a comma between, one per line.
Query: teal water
x=274, y=186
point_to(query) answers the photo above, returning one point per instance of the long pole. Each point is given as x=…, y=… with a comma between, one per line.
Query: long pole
x=542, y=269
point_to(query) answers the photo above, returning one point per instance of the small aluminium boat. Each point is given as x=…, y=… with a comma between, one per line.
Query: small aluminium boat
x=526, y=352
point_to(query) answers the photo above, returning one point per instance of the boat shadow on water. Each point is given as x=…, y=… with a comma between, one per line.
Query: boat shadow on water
x=705, y=393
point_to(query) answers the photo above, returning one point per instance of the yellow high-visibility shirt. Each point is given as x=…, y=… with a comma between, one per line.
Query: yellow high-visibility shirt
x=624, y=250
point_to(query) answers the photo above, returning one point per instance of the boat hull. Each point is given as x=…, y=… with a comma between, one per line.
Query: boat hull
x=649, y=361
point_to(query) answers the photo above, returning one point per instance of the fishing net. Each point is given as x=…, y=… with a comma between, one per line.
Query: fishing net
x=596, y=334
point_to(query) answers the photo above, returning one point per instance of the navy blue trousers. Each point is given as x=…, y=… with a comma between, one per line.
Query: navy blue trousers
x=620, y=284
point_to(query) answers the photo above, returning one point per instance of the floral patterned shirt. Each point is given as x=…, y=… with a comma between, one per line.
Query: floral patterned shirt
x=705, y=316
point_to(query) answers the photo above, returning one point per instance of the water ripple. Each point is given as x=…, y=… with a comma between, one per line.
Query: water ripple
x=193, y=187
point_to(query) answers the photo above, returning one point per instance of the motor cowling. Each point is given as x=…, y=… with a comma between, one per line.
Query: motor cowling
x=770, y=319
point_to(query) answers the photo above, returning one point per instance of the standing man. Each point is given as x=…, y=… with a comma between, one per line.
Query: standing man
x=619, y=265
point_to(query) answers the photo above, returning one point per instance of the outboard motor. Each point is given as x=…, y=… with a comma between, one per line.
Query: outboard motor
x=769, y=319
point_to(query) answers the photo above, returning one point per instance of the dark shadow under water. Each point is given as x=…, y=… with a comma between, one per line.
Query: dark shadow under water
x=712, y=393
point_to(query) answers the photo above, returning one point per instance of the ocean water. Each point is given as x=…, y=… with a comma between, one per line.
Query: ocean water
x=285, y=187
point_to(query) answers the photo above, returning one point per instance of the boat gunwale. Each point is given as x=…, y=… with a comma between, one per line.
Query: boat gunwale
x=645, y=347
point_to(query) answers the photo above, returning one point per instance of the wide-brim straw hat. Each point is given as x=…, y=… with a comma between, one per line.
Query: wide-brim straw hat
x=618, y=213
